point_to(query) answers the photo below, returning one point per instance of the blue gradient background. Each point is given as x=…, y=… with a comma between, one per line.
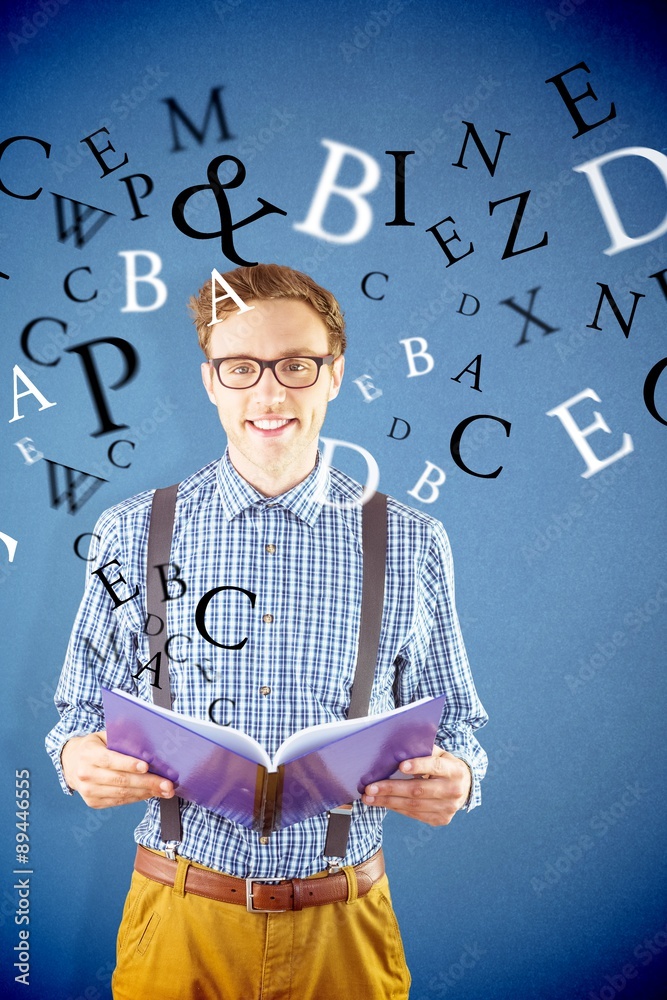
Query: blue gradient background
x=534, y=606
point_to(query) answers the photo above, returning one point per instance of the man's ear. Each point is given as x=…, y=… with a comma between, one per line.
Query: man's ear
x=337, y=370
x=207, y=376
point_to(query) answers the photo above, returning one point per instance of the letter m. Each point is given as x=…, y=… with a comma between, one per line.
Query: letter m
x=214, y=105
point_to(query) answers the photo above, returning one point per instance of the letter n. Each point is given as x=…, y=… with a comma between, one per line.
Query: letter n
x=214, y=104
x=79, y=217
x=72, y=483
x=624, y=324
x=471, y=132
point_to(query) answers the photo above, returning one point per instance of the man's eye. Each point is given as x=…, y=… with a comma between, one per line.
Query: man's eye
x=294, y=366
x=241, y=369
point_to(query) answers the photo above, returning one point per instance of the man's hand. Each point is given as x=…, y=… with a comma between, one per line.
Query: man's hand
x=105, y=778
x=433, y=801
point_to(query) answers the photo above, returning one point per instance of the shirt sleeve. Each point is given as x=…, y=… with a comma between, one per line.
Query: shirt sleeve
x=443, y=662
x=101, y=650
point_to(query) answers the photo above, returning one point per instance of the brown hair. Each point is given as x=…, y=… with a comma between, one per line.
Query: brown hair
x=269, y=281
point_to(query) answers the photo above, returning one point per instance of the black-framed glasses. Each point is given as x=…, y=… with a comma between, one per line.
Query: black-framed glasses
x=293, y=373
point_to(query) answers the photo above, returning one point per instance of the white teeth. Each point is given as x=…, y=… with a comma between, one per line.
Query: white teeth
x=269, y=425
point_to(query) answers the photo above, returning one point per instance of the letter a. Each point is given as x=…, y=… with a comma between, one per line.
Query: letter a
x=32, y=390
x=229, y=294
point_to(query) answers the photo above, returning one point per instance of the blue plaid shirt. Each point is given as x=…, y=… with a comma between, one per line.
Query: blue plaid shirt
x=302, y=559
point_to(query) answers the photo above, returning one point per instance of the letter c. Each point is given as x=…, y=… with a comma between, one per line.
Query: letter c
x=650, y=387
x=370, y=274
x=86, y=534
x=28, y=330
x=119, y=465
x=200, y=615
x=46, y=146
x=455, y=443
x=176, y=635
x=68, y=291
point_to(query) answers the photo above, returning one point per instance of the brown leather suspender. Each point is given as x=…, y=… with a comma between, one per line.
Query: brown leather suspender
x=374, y=545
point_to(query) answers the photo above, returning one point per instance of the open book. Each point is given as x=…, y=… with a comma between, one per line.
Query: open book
x=227, y=771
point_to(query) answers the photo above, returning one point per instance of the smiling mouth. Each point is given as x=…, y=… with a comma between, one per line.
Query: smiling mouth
x=272, y=424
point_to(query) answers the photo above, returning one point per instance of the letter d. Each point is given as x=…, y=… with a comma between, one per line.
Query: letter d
x=372, y=480
x=619, y=238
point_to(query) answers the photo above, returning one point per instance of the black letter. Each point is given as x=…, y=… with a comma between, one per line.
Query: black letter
x=490, y=164
x=176, y=635
x=213, y=105
x=477, y=362
x=529, y=316
x=443, y=243
x=97, y=153
x=90, y=369
x=109, y=584
x=28, y=330
x=210, y=710
x=86, y=534
x=46, y=146
x=650, y=386
x=391, y=432
x=377, y=298
x=571, y=102
x=606, y=293
x=175, y=579
x=509, y=250
x=156, y=672
x=399, y=190
x=73, y=502
x=138, y=214
x=68, y=290
x=467, y=295
x=455, y=444
x=111, y=450
x=76, y=229
x=200, y=615
x=660, y=276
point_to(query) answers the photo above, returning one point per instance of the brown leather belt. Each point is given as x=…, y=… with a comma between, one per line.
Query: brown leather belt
x=262, y=895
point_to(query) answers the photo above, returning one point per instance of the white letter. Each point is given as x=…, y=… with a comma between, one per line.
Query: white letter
x=425, y=481
x=579, y=434
x=11, y=544
x=373, y=470
x=421, y=353
x=231, y=294
x=32, y=390
x=132, y=279
x=366, y=388
x=312, y=224
x=619, y=238
x=30, y=453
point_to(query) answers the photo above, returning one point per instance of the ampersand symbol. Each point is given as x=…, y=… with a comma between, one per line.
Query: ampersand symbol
x=227, y=227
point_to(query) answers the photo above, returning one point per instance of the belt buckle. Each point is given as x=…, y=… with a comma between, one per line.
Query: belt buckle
x=250, y=906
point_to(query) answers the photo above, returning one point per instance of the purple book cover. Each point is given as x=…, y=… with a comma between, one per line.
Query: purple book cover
x=226, y=770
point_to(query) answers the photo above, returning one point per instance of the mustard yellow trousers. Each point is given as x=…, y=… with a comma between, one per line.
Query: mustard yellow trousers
x=174, y=945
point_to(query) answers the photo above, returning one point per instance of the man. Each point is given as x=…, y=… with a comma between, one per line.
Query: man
x=276, y=536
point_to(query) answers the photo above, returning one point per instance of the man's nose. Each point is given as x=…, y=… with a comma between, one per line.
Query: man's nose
x=268, y=386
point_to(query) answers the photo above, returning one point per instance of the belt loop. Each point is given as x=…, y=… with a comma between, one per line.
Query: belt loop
x=181, y=872
x=352, y=887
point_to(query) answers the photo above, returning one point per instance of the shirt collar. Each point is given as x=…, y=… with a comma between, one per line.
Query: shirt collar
x=305, y=500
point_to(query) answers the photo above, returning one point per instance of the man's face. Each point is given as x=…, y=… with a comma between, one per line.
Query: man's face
x=272, y=458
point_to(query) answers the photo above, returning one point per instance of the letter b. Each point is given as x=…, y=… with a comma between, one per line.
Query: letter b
x=363, y=214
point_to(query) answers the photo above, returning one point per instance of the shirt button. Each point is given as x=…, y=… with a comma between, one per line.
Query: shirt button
x=263, y=840
x=267, y=618
x=270, y=549
x=265, y=689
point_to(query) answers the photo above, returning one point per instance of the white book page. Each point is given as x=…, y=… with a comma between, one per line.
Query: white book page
x=223, y=736
x=315, y=737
